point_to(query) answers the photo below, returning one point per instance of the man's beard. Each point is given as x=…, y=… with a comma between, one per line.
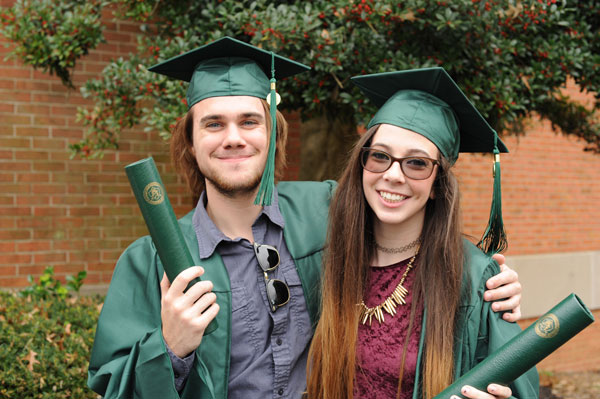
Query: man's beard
x=232, y=190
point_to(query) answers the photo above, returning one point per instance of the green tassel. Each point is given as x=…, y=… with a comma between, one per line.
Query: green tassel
x=267, y=183
x=494, y=239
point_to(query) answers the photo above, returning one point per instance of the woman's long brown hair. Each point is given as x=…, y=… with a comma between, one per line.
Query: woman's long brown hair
x=184, y=160
x=350, y=248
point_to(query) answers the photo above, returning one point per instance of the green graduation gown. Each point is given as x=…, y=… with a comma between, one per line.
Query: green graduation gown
x=129, y=358
x=479, y=330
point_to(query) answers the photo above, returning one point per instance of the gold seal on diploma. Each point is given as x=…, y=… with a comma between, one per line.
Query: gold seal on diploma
x=547, y=326
x=153, y=193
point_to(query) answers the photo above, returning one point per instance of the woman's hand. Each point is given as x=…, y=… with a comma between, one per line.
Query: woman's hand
x=495, y=391
x=505, y=285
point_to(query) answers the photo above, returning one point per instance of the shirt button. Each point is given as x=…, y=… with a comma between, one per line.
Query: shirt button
x=279, y=342
x=280, y=392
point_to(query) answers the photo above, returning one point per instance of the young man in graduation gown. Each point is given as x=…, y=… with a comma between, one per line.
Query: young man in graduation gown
x=259, y=247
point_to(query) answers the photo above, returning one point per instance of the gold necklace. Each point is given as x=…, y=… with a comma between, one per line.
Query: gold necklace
x=396, y=298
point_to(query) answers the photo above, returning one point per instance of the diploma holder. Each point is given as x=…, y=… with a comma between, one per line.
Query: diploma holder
x=526, y=349
x=160, y=219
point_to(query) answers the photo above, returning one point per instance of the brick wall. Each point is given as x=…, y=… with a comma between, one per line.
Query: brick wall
x=550, y=190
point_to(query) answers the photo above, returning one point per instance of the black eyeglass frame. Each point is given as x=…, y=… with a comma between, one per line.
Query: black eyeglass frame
x=275, y=287
x=367, y=150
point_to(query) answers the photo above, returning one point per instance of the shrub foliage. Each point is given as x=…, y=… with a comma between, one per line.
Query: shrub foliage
x=45, y=340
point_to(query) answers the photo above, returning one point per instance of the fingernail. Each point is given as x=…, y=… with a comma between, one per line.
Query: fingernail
x=495, y=306
x=465, y=390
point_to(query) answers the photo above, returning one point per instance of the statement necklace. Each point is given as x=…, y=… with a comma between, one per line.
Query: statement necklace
x=396, y=298
x=398, y=250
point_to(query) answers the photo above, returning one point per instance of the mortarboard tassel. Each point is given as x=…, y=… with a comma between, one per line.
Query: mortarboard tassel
x=494, y=239
x=267, y=183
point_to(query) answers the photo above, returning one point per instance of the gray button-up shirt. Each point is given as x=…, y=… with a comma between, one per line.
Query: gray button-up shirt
x=268, y=349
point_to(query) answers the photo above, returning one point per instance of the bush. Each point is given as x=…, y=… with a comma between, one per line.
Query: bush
x=45, y=341
x=51, y=35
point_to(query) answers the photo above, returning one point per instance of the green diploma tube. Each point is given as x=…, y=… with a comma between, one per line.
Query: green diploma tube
x=162, y=224
x=526, y=349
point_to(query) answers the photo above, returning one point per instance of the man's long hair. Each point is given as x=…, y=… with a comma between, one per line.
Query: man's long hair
x=184, y=160
x=350, y=248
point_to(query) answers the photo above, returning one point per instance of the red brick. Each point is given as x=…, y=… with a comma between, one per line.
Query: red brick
x=16, y=72
x=48, y=166
x=48, y=234
x=129, y=27
x=99, y=266
x=58, y=87
x=70, y=246
x=6, y=247
x=32, y=177
x=15, y=95
x=33, y=223
x=8, y=222
x=17, y=188
x=15, y=166
x=15, y=259
x=31, y=155
x=50, y=120
x=33, y=270
x=88, y=189
x=115, y=37
x=33, y=200
x=15, y=142
x=15, y=211
x=84, y=211
x=127, y=48
x=8, y=271
x=34, y=246
x=39, y=211
x=63, y=109
x=7, y=108
x=103, y=178
x=50, y=257
x=82, y=165
x=68, y=133
x=45, y=189
x=60, y=156
x=36, y=109
x=15, y=282
x=14, y=119
x=14, y=235
x=7, y=84
x=32, y=85
x=68, y=269
x=68, y=200
x=50, y=143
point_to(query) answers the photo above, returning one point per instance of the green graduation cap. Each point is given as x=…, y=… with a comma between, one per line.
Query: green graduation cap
x=230, y=67
x=427, y=101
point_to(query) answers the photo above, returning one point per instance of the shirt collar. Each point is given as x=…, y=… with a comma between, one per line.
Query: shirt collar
x=209, y=236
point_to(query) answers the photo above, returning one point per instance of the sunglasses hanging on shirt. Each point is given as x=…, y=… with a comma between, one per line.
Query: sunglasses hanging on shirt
x=278, y=292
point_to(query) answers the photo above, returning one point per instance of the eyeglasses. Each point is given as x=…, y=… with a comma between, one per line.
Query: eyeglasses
x=416, y=168
x=278, y=292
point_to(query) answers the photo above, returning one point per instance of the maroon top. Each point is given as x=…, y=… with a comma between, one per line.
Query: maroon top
x=380, y=346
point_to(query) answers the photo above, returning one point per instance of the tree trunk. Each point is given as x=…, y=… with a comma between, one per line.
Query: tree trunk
x=325, y=146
